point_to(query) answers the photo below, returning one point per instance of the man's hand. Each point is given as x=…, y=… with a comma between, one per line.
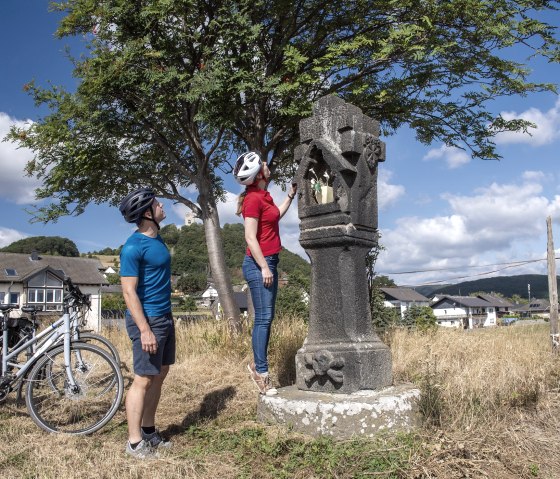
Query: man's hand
x=149, y=342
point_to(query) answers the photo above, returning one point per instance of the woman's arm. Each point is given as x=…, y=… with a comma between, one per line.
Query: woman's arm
x=251, y=226
x=288, y=201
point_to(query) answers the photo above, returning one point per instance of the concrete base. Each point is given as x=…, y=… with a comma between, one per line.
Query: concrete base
x=363, y=413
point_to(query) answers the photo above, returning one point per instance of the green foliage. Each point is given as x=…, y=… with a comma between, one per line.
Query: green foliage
x=285, y=456
x=170, y=234
x=186, y=303
x=514, y=287
x=190, y=256
x=293, y=299
x=113, y=301
x=192, y=283
x=168, y=90
x=50, y=245
x=114, y=278
x=421, y=317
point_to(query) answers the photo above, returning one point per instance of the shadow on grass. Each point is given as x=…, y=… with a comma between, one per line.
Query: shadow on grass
x=210, y=407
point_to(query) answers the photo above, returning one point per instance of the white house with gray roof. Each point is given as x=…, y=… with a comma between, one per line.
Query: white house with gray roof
x=464, y=312
x=33, y=279
x=403, y=298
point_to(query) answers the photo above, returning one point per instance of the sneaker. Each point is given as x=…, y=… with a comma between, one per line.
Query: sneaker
x=262, y=381
x=143, y=450
x=156, y=440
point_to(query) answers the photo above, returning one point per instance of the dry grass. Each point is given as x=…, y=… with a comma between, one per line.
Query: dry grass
x=497, y=391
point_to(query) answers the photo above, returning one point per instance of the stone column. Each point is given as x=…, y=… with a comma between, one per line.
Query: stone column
x=337, y=187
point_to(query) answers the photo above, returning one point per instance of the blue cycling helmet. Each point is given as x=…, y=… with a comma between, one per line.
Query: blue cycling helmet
x=135, y=204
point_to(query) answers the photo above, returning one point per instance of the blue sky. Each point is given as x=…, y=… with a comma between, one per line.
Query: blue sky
x=439, y=209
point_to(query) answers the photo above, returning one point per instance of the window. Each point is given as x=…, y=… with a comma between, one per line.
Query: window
x=36, y=295
x=14, y=298
x=10, y=272
x=2, y=296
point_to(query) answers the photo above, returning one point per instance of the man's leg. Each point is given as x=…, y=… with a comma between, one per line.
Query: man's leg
x=135, y=403
x=151, y=400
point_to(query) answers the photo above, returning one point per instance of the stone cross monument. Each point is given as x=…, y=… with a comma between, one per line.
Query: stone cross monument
x=337, y=187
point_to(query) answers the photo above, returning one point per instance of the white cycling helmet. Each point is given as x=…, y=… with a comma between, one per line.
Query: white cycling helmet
x=247, y=167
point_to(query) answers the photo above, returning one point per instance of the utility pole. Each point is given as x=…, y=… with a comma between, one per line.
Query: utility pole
x=552, y=288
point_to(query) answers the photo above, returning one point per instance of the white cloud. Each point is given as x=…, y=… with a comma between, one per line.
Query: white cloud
x=8, y=236
x=453, y=156
x=547, y=130
x=387, y=194
x=15, y=186
x=500, y=220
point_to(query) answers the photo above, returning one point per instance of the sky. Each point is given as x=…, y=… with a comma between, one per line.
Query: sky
x=443, y=216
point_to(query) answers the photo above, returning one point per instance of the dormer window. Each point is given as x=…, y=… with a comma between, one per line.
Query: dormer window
x=10, y=272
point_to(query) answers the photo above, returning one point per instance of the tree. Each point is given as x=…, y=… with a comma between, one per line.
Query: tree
x=291, y=298
x=51, y=245
x=113, y=301
x=422, y=317
x=170, y=90
x=192, y=283
x=114, y=278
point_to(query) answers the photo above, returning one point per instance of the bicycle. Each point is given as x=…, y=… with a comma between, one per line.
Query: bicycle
x=73, y=387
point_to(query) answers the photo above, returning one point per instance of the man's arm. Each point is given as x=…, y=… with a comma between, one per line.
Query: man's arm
x=147, y=338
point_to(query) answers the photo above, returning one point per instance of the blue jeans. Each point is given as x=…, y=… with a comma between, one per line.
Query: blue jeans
x=264, y=302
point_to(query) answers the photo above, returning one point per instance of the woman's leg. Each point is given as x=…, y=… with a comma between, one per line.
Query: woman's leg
x=263, y=303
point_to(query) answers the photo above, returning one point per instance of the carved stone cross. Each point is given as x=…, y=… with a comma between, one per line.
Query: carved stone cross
x=337, y=187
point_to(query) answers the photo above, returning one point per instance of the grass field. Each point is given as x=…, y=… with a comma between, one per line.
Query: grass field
x=490, y=400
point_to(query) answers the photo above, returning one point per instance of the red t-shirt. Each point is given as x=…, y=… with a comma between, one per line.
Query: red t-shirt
x=259, y=204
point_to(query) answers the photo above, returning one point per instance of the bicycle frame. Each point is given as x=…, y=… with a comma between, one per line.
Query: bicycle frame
x=60, y=328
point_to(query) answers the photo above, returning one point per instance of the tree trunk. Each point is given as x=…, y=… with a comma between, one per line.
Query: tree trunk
x=216, y=257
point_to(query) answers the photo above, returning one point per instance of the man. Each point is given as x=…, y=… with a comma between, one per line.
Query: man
x=146, y=283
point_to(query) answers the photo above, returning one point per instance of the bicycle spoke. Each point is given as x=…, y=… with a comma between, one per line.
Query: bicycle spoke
x=57, y=406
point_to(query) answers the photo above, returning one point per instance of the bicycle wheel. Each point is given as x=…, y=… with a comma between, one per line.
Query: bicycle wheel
x=57, y=407
x=101, y=342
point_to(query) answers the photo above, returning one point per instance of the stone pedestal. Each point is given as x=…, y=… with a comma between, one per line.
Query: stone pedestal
x=361, y=414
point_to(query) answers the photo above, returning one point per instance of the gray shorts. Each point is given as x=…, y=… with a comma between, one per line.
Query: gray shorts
x=163, y=327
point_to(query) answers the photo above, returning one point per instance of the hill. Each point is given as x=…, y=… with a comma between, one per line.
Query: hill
x=507, y=285
x=190, y=255
x=49, y=245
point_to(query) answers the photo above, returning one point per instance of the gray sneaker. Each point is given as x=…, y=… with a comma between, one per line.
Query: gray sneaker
x=143, y=450
x=156, y=440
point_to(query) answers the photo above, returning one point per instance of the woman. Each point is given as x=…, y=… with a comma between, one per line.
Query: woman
x=261, y=218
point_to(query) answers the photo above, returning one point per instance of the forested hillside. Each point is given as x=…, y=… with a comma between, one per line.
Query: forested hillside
x=190, y=256
x=509, y=286
x=49, y=245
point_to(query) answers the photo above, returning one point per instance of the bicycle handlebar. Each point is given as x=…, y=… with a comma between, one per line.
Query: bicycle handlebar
x=75, y=292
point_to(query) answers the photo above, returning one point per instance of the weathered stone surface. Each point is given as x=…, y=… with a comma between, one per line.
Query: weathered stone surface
x=363, y=413
x=340, y=152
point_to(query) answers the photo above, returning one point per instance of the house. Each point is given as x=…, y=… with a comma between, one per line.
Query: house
x=240, y=298
x=503, y=306
x=403, y=298
x=38, y=280
x=465, y=312
x=537, y=307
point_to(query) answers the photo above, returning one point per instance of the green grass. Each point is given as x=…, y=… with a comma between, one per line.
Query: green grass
x=286, y=456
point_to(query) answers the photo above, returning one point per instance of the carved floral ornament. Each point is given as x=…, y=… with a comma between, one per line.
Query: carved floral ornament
x=373, y=151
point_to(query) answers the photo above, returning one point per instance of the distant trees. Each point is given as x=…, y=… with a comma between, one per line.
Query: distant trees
x=50, y=245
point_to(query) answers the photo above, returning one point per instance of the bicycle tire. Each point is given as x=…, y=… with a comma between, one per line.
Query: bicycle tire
x=101, y=342
x=52, y=404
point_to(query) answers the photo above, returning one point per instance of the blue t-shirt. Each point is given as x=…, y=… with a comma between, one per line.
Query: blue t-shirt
x=149, y=260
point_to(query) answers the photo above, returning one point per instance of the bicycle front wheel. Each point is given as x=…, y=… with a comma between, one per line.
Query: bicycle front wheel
x=56, y=406
x=101, y=342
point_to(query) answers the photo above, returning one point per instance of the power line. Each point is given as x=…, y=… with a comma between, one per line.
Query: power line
x=514, y=264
